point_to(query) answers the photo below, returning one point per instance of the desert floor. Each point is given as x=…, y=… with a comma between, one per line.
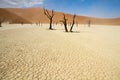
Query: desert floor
x=31, y=52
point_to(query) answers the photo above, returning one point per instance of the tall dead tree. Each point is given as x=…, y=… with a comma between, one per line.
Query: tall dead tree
x=64, y=21
x=50, y=17
x=1, y=21
x=73, y=22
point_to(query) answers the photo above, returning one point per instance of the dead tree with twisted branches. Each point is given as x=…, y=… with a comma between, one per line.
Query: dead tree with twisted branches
x=64, y=21
x=49, y=16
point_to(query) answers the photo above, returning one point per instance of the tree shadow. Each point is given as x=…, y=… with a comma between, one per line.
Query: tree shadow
x=78, y=32
x=74, y=31
x=51, y=29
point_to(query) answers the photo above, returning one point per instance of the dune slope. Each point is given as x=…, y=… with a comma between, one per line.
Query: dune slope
x=35, y=15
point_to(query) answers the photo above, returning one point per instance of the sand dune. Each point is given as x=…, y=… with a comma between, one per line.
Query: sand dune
x=34, y=15
x=31, y=52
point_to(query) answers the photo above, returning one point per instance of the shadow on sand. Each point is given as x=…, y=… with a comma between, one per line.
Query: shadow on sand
x=80, y=32
x=51, y=29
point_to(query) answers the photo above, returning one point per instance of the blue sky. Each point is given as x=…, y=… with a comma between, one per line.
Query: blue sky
x=93, y=8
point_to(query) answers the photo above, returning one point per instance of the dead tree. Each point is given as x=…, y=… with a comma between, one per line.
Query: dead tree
x=64, y=21
x=73, y=22
x=1, y=21
x=89, y=22
x=39, y=23
x=56, y=23
x=77, y=24
x=22, y=23
x=50, y=17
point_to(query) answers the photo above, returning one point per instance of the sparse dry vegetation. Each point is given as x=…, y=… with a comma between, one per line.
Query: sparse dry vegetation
x=1, y=21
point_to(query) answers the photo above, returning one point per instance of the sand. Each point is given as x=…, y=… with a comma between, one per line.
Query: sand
x=30, y=52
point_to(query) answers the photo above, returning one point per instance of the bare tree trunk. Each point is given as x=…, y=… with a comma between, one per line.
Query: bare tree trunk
x=66, y=27
x=73, y=23
x=0, y=24
x=71, y=28
x=89, y=22
x=50, y=24
x=39, y=23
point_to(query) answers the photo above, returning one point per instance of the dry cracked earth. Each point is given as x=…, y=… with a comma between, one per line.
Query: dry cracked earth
x=35, y=53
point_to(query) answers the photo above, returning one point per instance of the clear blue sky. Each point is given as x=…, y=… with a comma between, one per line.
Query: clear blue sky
x=93, y=8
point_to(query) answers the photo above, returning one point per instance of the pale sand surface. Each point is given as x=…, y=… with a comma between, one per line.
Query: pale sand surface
x=31, y=52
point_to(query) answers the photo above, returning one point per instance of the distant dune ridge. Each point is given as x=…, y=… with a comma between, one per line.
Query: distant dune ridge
x=35, y=15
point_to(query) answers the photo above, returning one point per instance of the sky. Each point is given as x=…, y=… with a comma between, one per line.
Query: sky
x=92, y=8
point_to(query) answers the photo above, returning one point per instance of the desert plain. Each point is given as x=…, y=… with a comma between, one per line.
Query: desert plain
x=32, y=52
